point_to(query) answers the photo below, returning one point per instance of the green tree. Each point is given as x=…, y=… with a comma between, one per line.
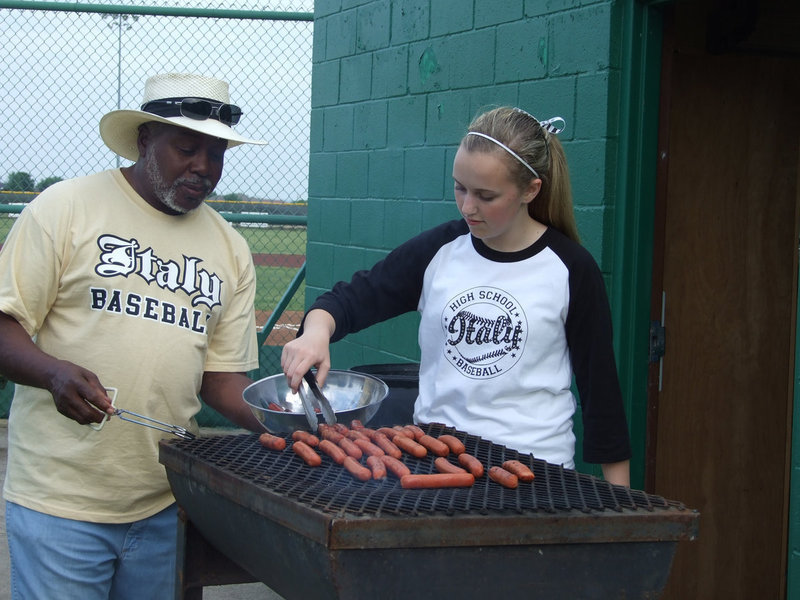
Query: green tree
x=19, y=181
x=47, y=182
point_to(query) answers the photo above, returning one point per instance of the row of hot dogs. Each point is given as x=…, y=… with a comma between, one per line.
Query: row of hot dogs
x=382, y=450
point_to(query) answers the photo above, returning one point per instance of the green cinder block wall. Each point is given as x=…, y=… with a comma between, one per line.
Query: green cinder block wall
x=394, y=86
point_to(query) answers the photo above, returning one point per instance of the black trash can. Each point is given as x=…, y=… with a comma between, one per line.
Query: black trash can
x=403, y=381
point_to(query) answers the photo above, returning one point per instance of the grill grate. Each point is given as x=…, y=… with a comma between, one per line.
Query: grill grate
x=332, y=490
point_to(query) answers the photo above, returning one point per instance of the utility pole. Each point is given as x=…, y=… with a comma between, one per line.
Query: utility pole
x=120, y=23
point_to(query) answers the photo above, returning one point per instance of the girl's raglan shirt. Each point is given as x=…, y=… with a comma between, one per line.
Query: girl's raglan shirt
x=500, y=336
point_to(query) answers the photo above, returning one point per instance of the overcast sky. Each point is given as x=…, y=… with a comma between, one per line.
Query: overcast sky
x=60, y=75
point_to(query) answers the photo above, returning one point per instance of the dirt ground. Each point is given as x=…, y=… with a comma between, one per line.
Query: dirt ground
x=285, y=329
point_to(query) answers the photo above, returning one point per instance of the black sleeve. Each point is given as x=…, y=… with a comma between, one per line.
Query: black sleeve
x=392, y=287
x=589, y=335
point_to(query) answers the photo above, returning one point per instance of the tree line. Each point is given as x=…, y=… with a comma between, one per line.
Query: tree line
x=20, y=181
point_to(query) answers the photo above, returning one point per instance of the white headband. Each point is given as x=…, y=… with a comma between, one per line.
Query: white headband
x=507, y=149
x=547, y=125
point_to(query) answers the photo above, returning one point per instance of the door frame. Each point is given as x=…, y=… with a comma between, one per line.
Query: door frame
x=634, y=213
x=638, y=164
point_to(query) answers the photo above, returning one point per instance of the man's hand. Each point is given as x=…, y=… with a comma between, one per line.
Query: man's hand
x=78, y=393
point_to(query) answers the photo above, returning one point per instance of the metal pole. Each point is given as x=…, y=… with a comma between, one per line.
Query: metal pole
x=119, y=69
x=214, y=13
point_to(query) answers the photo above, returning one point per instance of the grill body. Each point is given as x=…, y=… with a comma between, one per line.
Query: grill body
x=318, y=533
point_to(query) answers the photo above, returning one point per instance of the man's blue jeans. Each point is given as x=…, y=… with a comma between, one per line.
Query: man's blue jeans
x=60, y=558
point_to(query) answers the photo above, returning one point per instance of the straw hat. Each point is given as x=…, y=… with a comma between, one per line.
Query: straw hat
x=120, y=128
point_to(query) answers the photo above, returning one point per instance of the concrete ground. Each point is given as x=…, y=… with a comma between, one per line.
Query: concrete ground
x=250, y=591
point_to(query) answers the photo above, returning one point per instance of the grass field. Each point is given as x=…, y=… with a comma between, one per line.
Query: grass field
x=6, y=222
x=275, y=239
x=272, y=281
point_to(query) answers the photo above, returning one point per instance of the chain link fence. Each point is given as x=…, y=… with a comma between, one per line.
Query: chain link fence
x=66, y=64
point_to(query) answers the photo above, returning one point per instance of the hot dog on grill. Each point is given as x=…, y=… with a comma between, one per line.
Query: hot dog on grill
x=387, y=445
x=354, y=435
x=368, y=447
x=456, y=445
x=273, y=442
x=350, y=448
x=415, y=431
x=503, y=477
x=394, y=466
x=401, y=430
x=335, y=452
x=519, y=469
x=329, y=433
x=471, y=464
x=389, y=432
x=307, y=453
x=304, y=436
x=377, y=467
x=434, y=445
x=356, y=469
x=407, y=444
x=370, y=433
x=437, y=480
x=445, y=466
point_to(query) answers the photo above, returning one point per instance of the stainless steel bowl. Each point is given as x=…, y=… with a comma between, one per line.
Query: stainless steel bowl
x=352, y=396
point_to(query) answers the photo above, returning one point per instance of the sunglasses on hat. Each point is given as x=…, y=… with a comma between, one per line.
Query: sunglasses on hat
x=194, y=108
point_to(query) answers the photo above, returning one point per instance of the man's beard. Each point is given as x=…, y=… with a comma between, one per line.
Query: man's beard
x=167, y=194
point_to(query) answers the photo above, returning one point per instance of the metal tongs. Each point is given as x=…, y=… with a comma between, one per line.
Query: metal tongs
x=181, y=432
x=317, y=399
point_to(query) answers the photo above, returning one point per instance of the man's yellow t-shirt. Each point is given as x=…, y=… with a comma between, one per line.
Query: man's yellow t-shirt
x=145, y=300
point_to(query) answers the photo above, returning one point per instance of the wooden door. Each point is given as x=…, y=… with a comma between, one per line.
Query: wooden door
x=726, y=248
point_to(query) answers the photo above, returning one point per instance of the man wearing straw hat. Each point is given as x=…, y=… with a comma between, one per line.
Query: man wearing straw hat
x=121, y=290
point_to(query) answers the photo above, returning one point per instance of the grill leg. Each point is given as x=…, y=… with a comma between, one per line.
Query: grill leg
x=183, y=545
x=200, y=564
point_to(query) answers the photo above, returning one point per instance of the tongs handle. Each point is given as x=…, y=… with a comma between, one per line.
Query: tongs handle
x=181, y=432
x=308, y=408
x=325, y=406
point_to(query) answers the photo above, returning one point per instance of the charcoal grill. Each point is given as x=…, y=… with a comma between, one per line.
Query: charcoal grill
x=318, y=533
